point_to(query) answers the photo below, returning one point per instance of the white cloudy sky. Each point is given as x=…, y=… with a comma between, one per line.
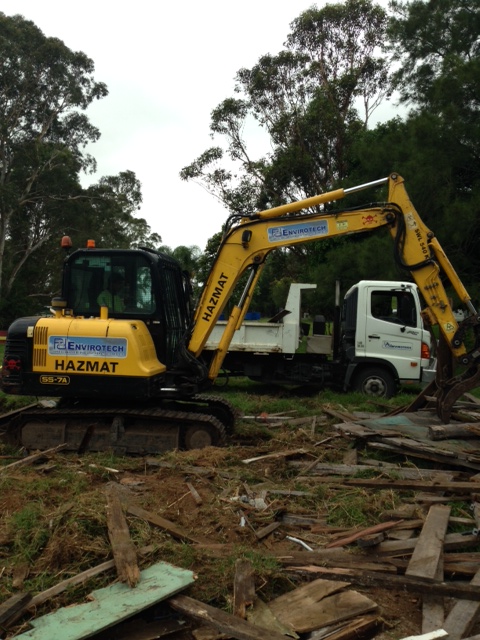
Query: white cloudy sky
x=166, y=65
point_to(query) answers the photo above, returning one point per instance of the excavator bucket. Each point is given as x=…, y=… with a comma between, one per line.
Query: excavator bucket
x=443, y=392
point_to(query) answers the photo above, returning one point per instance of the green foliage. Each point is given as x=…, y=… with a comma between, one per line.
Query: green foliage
x=357, y=507
x=45, y=90
x=30, y=531
x=305, y=98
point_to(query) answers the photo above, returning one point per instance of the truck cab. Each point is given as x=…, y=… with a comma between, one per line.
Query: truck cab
x=382, y=330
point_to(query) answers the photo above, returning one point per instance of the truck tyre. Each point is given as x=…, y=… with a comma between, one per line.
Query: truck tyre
x=379, y=383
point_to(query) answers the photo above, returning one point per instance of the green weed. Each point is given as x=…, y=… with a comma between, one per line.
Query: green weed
x=30, y=531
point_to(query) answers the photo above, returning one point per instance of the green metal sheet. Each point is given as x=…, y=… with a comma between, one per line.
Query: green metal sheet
x=111, y=605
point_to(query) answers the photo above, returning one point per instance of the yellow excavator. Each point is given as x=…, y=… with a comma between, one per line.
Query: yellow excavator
x=122, y=350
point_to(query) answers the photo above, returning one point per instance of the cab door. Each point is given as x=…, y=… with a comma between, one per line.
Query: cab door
x=392, y=329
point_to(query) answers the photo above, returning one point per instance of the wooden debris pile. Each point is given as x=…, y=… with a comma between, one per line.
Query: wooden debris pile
x=414, y=571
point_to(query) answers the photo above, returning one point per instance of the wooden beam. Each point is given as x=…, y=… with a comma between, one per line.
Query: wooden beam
x=170, y=527
x=427, y=555
x=243, y=588
x=123, y=548
x=378, y=528
x=453, y=542
x=462, y=487
x=225, y=622
x=462, y=616
x=13, y=607
x=427, y=562
x=389, y=581
x=33, y=458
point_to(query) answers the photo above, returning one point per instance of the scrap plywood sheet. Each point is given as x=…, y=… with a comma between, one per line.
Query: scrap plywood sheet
x=111, y=605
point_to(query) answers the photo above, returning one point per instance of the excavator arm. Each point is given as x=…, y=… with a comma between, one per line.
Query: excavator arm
x=250, y=239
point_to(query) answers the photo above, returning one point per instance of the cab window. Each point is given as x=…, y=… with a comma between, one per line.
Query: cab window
x=394, y=306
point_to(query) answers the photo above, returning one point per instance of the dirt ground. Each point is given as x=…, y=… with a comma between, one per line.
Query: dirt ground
x=53, y=522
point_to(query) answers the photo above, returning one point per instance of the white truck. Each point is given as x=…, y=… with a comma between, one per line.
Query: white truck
x=378, y=343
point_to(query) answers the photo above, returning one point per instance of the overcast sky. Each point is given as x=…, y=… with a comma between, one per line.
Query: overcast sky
x=166, y=66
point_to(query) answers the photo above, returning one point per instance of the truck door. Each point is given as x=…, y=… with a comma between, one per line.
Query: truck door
x=392, y=329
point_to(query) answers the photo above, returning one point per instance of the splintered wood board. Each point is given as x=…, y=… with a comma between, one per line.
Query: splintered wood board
x=318, y=604
x=111, y=605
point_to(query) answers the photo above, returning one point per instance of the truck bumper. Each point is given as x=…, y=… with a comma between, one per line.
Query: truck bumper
x=428, y=375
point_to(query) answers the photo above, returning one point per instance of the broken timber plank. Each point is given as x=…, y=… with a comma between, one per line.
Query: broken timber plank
x=110, y=605
x=427, y=554
x=261, y=615
x=413, y=485
x=195, y=495
x=352, y=629
x=33, y=458
x=445, y=431
x=453, y=542
x=170, y=527
x=387, y=580
x=336, y=558
x=326, y=469
x=311, y=591
x=225, y=622
x=14, y=606
x=462, y=616
x=123, y=548
x=276, y=455
x=310, y=612
x=384, y=526
x=427, y=562
x=267, y=530
x=243, y=588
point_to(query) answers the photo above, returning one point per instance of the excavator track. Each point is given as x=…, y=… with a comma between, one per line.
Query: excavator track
x=123, y=430
x=217, y=407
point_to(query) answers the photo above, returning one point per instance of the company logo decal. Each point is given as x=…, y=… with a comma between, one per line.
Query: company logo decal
x=395, y=346
x=300, y=230
x=215, y=297
x=72, y=347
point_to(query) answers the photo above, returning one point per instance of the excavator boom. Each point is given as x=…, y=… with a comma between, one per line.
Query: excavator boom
x=416, y=249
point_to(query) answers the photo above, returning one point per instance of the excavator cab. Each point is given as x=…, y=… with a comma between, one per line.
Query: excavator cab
x=117, y=331
x=134, y=284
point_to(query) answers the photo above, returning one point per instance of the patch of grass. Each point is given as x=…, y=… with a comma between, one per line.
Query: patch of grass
x=360, y=508
x=30, y=531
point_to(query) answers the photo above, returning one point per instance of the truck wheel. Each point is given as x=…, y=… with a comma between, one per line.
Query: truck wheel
x=375, y=382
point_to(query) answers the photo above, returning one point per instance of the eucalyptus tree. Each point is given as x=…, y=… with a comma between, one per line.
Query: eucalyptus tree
x=45, y=90
x=309, y=101
x=435, y=49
